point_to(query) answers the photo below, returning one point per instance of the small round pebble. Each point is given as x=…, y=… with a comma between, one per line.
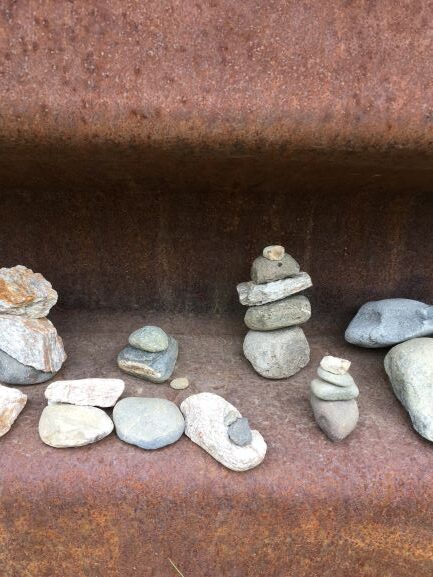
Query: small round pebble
x=239, y=432
x=150, y=339
x=179, y=383
x=274, y=252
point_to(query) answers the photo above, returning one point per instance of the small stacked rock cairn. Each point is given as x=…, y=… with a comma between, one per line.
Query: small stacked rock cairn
x=151, y=355
x=275, y=345
x=31, y=351
x=333, y=397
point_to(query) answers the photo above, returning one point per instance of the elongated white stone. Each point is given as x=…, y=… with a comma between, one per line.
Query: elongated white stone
x=207, y=418
x=335, y=365
x=251, y=294
x=32, y=342
x=92, y=392
x=12, y=402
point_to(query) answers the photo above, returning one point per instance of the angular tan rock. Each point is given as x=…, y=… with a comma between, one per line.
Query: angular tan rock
x=91, y=392
x=335, y=365
x=32, y=342
x=207, y=418
x=12, y=402
x=23, y=292
x=251, y=294
x=274, y=252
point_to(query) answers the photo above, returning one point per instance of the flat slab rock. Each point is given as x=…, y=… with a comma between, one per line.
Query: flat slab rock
x=409, y=367
x=23, y=292
x=155, y=367
x=388, y=322
x=252, y=294
x=148, y=423
x=207, y=418
x=63, y=426
x=12, y=402
x=15, y=373
x=32, y=342
x=277, y=354
x=86, y=392
x=293, y=310
x=265, y=270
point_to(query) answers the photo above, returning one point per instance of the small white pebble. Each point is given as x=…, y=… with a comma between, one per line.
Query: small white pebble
x=335, y=365
x=274, y=252
x=180, y=383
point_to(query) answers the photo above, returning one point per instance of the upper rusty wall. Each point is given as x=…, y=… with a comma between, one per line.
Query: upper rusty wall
x=322, y=75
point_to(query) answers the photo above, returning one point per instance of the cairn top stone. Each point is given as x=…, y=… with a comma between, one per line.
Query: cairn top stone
x=274, y=252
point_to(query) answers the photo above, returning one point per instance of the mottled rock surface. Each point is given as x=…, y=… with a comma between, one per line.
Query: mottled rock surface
x=64, y=426
x=207, y=418
x=265, y=270
x=345, y=380
x=32, y=342
x=287, y=312
x=23, y=292
x=388, y=322
x=337, y=419
x=155, y=367
x=13, y=372
x=86, y=392
x=274, y=252
x=179, y=383
x=335, y=365
x=328, y=392
x=252, y=294
x=409, y=367
x=12, y=402
x=148, y=423
x=149, y=338
x=239, y=432
x=277, y=354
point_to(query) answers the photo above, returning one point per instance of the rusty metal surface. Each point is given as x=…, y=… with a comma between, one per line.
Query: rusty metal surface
x=311, y=74
x=362, y=507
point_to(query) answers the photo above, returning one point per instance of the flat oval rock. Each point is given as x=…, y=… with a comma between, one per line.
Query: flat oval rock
x=337, y=419
x=147, y=422
x=155, y=367
x=265, y=270
x=12, y=402
x=252, y=294
x=388, y=322
x=207, y=418
x=287, y=312
x=15, y=373
x=90, y=392
x=345, y=380
x=328, y=392
x=149, y=338
x=63, y=426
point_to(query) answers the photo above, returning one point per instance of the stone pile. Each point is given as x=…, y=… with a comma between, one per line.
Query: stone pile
x=151, y=355
x=31, y=351
x=275, y=345
x=333, y=398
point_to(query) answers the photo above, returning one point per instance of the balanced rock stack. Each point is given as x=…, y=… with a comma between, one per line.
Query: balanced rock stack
x=333, y=397
x=30, y=349
x=151, y=355
x=275, y=345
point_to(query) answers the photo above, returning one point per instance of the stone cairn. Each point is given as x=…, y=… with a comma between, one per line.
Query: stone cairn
x=333, y=398
x=275, y=345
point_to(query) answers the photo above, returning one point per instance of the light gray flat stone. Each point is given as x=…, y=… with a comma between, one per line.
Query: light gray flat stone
x=148, y=423
x=328, y=392
x=277, y=354
x=12, y=402
x=155, y=367
x=86, y=392
x=409, y=367
x=150, y=339
x=13, y=372
x=265, y=270
x=345, y=380
x=64, y=426
x=252, y=294
x=337, y=419
x=388, y=322
x=287, y=312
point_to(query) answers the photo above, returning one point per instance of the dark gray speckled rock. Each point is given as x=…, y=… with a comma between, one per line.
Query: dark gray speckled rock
x=12, y=372
x=239, y=432
x=155, y=367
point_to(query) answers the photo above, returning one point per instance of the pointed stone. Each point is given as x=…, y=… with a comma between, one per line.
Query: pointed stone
x=12, y=402
x=337, y=419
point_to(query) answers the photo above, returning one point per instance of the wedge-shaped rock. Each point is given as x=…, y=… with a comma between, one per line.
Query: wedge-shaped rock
x=32, y=342
x=12, y=402
x=207, y=418
x=409, y=367
x=337, y=419
x=23, y=292
x=155, y=367
x=72, y=426
x=91, y=392
x=293, y=310
x=251, y=294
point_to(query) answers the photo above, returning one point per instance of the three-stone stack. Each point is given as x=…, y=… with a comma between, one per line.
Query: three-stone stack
x=275, y=345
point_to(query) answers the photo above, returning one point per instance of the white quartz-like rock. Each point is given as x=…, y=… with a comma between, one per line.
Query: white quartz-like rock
x=207, y=418
x=274, y=252
x=23, y=292
x=12, y=402
x=32, y=342
x=92, y=392
x=335, y=365
x=251, y=294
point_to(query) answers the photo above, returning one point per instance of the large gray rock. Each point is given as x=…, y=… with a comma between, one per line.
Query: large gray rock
x=13, y=372
x=155, y=367
x=277, y=354
x=23, y=292
x=148, y=423
x=337, y=419
x=265, y=270
x=388, y=322
x=327, y=392
x=252, y=294
x=149, y=338
x=409, y=366
x=291, y=311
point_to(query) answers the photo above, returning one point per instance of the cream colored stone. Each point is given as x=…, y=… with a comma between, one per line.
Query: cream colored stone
x=179, y=383
x=12, y=402
x=91, y=392
x=335, y=365
x=274, y=252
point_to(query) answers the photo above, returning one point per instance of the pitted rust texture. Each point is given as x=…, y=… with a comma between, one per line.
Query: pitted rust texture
x=361, y=507
x=312, y=74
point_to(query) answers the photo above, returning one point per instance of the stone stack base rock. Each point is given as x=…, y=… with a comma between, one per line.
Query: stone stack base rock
x=275, y=345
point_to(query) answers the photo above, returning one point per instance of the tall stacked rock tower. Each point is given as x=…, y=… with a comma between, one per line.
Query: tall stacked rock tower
x=275, y=345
